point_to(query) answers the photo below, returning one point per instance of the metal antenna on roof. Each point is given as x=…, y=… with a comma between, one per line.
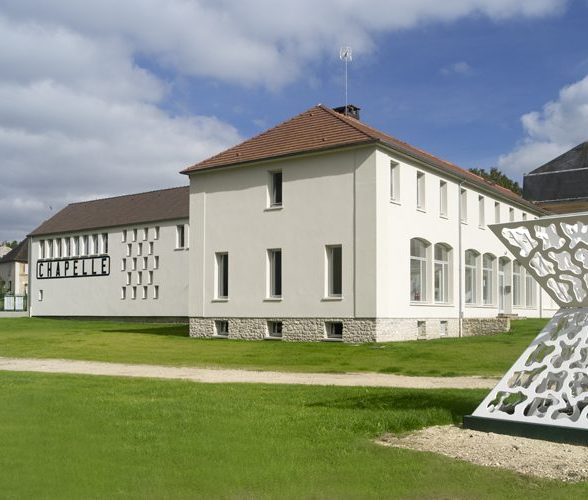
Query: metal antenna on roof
x=345, y=55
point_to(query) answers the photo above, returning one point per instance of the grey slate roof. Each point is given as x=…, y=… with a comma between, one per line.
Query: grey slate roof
x=20, y=253
x=563, y=178
x=153, y=206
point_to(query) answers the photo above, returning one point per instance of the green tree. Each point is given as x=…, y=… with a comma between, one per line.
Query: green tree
x=497, y=177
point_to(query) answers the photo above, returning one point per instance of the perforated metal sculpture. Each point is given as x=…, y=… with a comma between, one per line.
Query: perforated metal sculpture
x=545, y=393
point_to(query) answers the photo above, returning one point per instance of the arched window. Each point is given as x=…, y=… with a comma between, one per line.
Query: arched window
x=488, y=278
x=530, y=291
x=418, y=270
x=442, y=255
x=472, y=265
x=517, y=284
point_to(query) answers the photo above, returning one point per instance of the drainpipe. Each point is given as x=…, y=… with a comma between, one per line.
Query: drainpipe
x=459, y=262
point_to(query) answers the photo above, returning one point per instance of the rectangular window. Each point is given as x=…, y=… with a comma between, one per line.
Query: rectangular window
x=275, y=272
x=150, y=248
x=145, y=233
x=124, y=235
x=275, y=189
x=123, y=264
x=156, y=233
x=128, y=278
x=95, y=246
x=421, y=329
x=222, y=275
x=156, y=262
x=104, y=243
x=420, y=194
x=180, y=236
x=481, y=211
x=129, y=249
x=443, y=198
x=156, y=292
x=145, y=292
x=76, y=246
x=334, y=271
x=58, y=248
x=42, y=249
x=134, y=292
x=221, y=328
x=139, y=278
x=511, y=215
x=334, y=330
x=67, y=247
x=274, y=329
x=139, y=248
x=134, y=264
x=394, y=181
x=123, y=293
x=496, y=212
x=134, y=235
x=40, y=295
x=443, y=326
x=145, y=260
x=463, y=205
x=150, y=277
x=85, y=250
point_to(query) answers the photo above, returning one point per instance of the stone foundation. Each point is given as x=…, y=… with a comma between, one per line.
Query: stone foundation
x=354, y=329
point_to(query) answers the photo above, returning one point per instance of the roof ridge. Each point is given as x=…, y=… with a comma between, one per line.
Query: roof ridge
x=126, y=195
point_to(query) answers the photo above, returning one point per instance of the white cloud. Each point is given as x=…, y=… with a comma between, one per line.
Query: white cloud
x=458, y=68
x=558, y=127
x=79, y=117
x=266, y=42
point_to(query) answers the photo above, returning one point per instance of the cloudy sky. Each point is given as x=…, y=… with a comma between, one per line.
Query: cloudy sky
x=113, y=97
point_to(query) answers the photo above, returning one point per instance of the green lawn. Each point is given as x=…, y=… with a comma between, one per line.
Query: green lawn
x=170, y=345
x=66, y=436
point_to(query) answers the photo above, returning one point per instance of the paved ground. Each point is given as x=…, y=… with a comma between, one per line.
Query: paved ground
x=242, y=376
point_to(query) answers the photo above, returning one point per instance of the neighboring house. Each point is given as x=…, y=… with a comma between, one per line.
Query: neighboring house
x=14, y=270
x=560, y=185
x=117, y=257
x=4, y=249
x=325, y=228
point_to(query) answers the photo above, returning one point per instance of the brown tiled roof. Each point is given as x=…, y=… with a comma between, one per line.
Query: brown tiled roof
x=320, y=128
x=165, y=204
x=20, y=253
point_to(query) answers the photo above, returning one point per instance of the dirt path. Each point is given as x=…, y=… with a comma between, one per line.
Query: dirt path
x=214, y=376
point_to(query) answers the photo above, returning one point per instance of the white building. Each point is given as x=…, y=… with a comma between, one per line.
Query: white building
x=321, y=228
x=117, y=257
x=325, y=228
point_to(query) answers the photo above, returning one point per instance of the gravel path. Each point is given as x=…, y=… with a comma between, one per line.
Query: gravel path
x=528, y=456
x=207, y=375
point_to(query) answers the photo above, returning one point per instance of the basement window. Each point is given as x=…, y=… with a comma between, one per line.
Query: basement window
x=221, y=328
x=274, y=329
x=334, y=330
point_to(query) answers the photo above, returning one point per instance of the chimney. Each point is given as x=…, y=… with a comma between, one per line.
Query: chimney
x=348, y=110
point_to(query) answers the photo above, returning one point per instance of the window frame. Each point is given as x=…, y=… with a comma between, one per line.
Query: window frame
x=275, y=189
x=275, y=273
x=221, y=278
x=331, y=272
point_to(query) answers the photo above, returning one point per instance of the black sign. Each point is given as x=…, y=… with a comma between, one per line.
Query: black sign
x=80, y=267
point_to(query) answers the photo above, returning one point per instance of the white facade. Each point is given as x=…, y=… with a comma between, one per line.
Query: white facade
x=129, y=271
x=372, y=202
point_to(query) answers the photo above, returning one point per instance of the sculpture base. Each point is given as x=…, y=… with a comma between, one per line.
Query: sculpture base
x=545, y=432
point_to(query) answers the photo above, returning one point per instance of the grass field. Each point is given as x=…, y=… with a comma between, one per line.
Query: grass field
x=66, y=436
x=170, y=345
